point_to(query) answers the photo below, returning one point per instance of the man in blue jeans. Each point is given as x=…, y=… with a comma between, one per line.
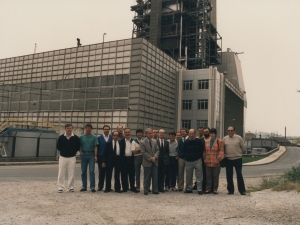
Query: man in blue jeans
x=88, y=152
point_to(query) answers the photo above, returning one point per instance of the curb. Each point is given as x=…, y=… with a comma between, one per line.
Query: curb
x=270, y=159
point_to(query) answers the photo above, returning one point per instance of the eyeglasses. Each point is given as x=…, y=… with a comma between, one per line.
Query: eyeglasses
x=230, y=130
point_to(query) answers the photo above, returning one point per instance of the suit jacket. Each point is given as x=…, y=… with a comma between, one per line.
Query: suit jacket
x=163, y=152
x=102, y=143
x=148, y=152
x=180, y=148
x=109, y=155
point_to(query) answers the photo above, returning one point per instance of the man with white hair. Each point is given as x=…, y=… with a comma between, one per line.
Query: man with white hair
x=193, y=152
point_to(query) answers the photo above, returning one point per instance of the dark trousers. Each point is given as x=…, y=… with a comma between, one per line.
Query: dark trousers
x=162, y=169
x=101, y=171
x=108, y=175
x=237, y=164
x=128, y=172
x=172, y=172
x=118, y=168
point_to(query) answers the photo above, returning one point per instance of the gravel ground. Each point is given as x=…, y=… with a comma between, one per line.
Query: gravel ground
x=39, y=203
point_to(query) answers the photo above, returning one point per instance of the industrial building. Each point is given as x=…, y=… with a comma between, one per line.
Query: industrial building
x=129, y=82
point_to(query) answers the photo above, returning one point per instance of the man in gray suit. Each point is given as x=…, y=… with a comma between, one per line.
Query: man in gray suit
x=150, y=153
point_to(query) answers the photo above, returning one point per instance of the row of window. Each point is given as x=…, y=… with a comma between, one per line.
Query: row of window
x=202, y=104
x=188, y=124
x=202, y=84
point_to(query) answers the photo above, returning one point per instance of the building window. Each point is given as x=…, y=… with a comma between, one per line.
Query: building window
x=203, y=84
x=186, y=124
x=186, y=104
x=187, y=85
x=202, y=123
x=203, y=104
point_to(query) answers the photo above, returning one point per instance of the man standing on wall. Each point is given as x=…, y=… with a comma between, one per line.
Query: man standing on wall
x=88, y=152
x=68, y=145
x=234, y=148
x=102, y=140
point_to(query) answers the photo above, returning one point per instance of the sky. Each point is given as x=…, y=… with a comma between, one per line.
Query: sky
x=267, y=31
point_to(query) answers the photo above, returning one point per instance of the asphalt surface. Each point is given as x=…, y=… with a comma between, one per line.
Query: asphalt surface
x=49, y=171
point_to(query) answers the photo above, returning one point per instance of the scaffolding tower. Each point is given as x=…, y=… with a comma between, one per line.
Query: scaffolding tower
x=184, y=29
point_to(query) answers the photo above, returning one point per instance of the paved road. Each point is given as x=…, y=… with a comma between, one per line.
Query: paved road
x=49, y=172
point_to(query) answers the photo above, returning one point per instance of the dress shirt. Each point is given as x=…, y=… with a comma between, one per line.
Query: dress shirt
x=135, y=145
x=117, y=147
x=173, y=148
x=128, y=148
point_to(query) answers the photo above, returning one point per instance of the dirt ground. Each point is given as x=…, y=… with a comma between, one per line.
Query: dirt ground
x=39, y=203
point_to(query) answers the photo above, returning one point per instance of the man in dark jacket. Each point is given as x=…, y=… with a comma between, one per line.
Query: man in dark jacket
x=109, y=160
x=193, y=152
x=163, y=159
x=68, y=145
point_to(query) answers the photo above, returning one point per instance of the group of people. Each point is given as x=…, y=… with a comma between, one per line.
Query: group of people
x=165, y=162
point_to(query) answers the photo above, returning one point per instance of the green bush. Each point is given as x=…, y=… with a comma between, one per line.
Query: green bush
x=293, y=175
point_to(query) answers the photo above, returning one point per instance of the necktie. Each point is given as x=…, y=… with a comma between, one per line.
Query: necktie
x=150, y=143
x=115, y=148
x=162, y=144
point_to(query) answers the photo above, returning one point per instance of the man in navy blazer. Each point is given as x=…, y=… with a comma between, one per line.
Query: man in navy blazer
x=102, y=139
x=110, y=160
x=163, y=160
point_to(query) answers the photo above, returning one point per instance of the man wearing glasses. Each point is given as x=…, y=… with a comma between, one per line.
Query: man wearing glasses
x=233, y=149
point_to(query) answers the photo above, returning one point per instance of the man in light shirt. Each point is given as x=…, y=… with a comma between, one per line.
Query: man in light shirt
x=138, y=158
x=127, y=170
x=173, y=165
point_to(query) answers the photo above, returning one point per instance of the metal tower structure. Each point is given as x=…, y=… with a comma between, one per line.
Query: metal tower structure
x=184, y=29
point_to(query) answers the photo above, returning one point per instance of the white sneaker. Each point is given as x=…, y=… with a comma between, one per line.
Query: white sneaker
x=71, y=190
x=60, y=191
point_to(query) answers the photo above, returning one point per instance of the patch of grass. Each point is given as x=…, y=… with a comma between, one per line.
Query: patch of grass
x=249, y=158
x=289, y=181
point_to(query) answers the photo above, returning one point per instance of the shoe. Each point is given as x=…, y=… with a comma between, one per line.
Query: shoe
x=243, y=193
x=187, y=191
x=230, y=193
x=145, y=193
x=166, y=188
x=71, y=190
x=194, y=187
x=136, y=191
x=60, y=191
x=161, y=191
x=155, y=193
x=124, y=190
x=180, y=189
x=215, y=192
x=83, y=189
x=200, y=193
x=93, y=190
x=118, y=191
x=99, y=189
x=207, y=192
x=106, y=191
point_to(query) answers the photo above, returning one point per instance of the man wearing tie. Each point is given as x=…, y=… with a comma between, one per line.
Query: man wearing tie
x=163, y=160
x=102, y=140
x=109, y=161
x=150, y=153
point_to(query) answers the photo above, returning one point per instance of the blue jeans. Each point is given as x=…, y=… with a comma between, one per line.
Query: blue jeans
x=87, y=159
